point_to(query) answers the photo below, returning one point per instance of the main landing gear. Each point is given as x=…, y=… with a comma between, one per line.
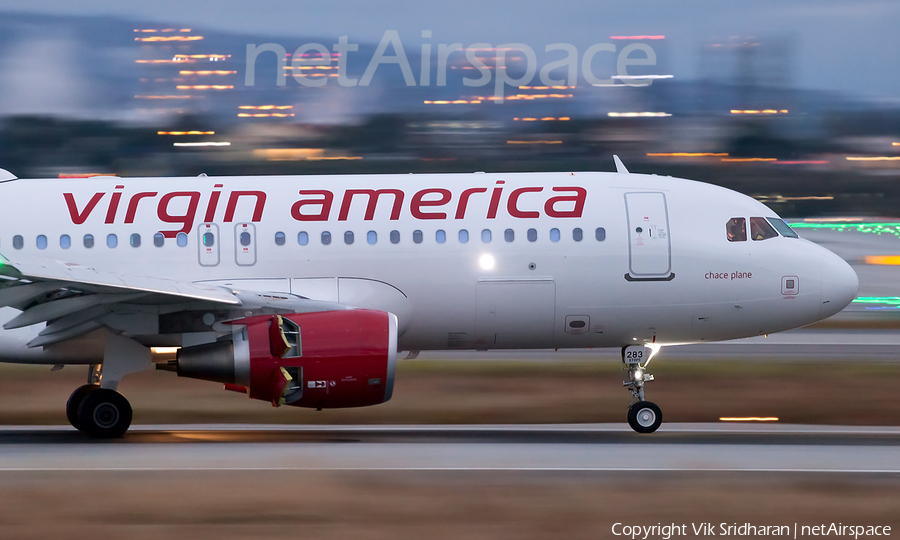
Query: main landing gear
x=99, y=412
x=643, y=416
x=96, y=408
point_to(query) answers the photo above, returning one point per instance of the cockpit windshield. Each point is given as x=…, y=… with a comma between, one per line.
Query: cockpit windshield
x=760, y=229
x=783, y=228
x=736, y=230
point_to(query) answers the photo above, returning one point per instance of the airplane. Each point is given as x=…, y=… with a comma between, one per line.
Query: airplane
x=301, y=290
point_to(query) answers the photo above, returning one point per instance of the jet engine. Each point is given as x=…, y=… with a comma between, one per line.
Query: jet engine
x=323, y=360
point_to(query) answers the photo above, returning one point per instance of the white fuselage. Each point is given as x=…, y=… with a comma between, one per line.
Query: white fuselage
x=678, y=280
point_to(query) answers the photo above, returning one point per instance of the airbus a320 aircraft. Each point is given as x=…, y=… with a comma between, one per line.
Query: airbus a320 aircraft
x=300, y=290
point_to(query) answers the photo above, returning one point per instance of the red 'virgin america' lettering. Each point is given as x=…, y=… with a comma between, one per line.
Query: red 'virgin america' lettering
x=79, y=218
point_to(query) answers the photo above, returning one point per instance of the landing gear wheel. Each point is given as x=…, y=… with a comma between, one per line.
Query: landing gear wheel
x=104, y=414
x=75, y=400
x=644, y=417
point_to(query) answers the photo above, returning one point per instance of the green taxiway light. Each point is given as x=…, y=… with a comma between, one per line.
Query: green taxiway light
x=884, y=300
x=868, y=228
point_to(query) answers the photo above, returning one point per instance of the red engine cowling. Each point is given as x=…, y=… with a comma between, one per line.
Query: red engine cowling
x=322, y=360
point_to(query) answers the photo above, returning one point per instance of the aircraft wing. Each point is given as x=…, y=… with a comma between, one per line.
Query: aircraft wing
x=74, y=299
x=45, y=270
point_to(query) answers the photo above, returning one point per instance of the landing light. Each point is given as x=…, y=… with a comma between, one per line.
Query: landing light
x=486, y=262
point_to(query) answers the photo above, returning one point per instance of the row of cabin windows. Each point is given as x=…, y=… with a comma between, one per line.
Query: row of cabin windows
x=112, y=241
x=440, y=236
x=208, y=239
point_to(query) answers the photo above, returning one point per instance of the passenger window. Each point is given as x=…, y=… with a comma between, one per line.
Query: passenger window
x=303, y=238
x=760, y=229
x=41, y=242
x=395, y=237
x=577, y=234
x=135, y=240
x=372, y=238
x=440, y=236
x=417, y=237
x=244, y=239
x=326, y=238
x=736, y=230
x=509, y=235
x=783, y=227
x=600, y=234
x=554, y=235
x=463, y=236
x=89, y=241
x=18, y=242
x=532, y=235
x=182, y=240
x=348, y=237
x=159, y=239
x=65, y=241
x=209, y=239
x=486, y=236
x=279, y=238
x=112, y=240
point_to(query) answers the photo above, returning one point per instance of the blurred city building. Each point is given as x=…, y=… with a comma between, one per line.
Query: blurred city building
x=93, y=95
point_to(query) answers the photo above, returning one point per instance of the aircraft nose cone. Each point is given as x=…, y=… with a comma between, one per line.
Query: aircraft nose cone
x=839, y=284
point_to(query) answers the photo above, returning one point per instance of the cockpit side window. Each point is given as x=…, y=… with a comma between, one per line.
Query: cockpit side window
x=783, y=228
x=760, y=229
x=736, y=229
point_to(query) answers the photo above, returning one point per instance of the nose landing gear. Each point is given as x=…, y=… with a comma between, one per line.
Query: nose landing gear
x=643, y=416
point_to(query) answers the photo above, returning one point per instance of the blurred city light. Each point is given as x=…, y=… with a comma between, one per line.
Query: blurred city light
x=730, y=109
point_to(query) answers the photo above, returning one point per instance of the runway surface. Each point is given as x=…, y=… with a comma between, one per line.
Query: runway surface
x=595, y=447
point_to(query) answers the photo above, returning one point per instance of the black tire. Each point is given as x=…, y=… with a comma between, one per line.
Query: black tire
x=75, y=400
x=644, y=417
x=104, y=414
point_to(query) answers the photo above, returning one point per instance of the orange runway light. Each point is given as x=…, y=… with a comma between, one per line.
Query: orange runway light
x=687, y=154
x=805, y=162
x=748, y=160
x=883, y=260
x=748, y=419
x=82, y=175
x=875, y=158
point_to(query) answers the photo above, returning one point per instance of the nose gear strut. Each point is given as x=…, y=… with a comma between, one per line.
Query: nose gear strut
x=643, y=416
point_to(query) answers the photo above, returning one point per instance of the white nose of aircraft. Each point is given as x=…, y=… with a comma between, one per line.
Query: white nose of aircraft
x=839, y=284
